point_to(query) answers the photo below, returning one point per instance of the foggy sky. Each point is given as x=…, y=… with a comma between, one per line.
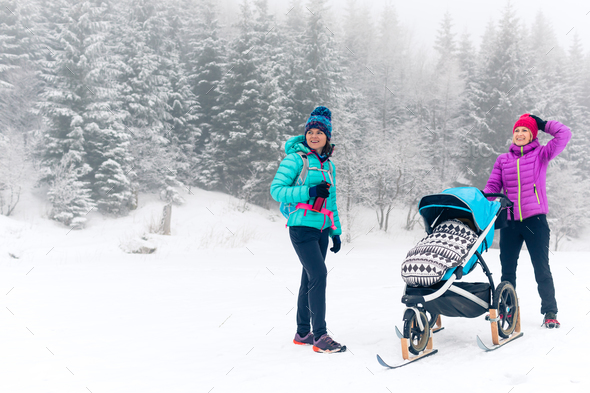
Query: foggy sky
x=424, y=16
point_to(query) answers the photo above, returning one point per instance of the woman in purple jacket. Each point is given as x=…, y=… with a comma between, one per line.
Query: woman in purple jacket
x=521, y=175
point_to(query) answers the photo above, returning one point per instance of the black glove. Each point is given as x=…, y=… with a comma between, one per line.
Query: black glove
x=540, y=123
x=336, y=244
x=321, y=190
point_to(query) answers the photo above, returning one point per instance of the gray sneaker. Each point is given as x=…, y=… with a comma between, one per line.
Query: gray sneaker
x=325, y=344
x=305, y=340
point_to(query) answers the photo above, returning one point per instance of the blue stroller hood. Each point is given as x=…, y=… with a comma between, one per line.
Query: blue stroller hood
x=461, y=202
x=464, y=202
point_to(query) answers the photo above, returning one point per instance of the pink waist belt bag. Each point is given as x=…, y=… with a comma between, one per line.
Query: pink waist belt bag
x=324, y=211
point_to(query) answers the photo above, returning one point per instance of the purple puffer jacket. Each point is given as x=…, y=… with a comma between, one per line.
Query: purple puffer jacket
x=521, y=173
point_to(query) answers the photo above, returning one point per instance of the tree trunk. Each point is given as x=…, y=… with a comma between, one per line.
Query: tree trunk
x=558, y=237
x=411, y=218
x=166, y=217
x=380, y=217
x=387, y=217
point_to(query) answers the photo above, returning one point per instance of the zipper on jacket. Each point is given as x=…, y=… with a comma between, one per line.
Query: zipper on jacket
x=536, y=193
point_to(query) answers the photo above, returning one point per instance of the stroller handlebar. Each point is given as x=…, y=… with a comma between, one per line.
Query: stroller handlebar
x=505, y=201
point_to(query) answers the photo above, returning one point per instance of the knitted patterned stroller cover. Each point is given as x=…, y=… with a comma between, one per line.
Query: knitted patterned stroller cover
x=443, y=249
x=449, y=239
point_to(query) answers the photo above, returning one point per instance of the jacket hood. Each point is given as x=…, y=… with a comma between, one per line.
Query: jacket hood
x=295, y=144
x=525, y=149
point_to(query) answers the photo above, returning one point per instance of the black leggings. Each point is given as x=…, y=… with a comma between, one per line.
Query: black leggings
x=535, y=232
x=311, y=246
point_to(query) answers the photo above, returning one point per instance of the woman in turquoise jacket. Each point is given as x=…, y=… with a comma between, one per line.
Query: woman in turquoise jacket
x=309, y=230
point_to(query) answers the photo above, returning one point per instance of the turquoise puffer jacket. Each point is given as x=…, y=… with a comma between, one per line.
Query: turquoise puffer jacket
x=283, y=190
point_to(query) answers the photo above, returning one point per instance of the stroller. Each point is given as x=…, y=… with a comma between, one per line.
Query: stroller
x=460, y=225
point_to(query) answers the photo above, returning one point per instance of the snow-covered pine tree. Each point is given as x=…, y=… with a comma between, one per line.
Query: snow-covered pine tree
x=20, y=132
x=585, y=81
x=559, y=98
x=107, y=146
x=466, y=56
x=548, y=88
x=18, y=43
x=183, y=109
x=572, y=109
x=239, y=112
x=349, y=127
x=183, y=132
x=81, y=99
x=111, y=185
x=567, y=192
x=444, y=107
x=269, y=43
x=322, y=65
x=70, y=197
x=294, y=60
x=542, y=44
x=498, y=96
x=58, y=101
x=471, y=104
x=357, y=44
x=19, y=85
x=244, y=143
x=445, y=43
x=19, y=94
x=387, y=92
x=13, y=168
x=152, y=107
x=205, y=60
x=10, y=47
x=314, y=64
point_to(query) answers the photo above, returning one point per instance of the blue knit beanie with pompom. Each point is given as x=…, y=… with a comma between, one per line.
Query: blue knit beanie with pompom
x=320, y=118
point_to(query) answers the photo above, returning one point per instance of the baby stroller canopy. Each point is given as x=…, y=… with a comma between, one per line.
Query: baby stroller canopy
x=460, y=202
x=467, y=204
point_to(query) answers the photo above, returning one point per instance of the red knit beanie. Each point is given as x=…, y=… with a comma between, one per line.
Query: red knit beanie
x=527, y=121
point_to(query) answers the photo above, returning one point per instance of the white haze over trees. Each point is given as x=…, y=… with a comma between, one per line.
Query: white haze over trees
x=103, y=100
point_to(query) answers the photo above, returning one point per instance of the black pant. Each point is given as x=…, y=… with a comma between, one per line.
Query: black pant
x=535, y=232
x=311, y=246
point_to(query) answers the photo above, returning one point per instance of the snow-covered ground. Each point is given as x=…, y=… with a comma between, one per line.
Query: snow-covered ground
x=212, y=310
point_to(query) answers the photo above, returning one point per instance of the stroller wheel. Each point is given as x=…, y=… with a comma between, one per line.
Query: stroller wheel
x=418, y=338
x=506, y=302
